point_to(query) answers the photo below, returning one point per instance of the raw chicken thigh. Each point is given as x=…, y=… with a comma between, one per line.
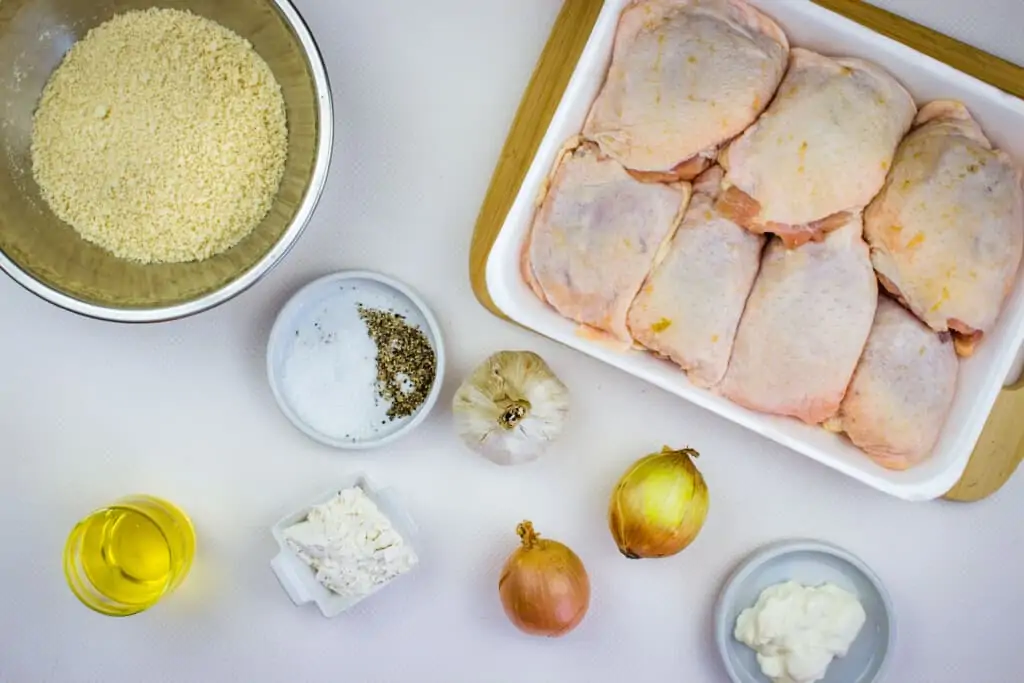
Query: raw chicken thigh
x=947, y=231
x=805, y=326
x=691, y=305
x=902, y=390
x=686, y=76
x=820, y=152
x=596, y=236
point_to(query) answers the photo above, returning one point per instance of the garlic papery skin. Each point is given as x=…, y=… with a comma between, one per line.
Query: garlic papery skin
x=511, y=407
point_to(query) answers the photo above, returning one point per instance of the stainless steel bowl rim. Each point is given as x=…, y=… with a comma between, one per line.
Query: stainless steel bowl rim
x=247, y=279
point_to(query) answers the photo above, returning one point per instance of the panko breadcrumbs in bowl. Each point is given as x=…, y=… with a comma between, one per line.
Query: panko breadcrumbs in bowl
x=161, y=137
x=156, y=162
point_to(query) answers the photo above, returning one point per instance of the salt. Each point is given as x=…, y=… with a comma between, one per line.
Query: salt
x=330, y=375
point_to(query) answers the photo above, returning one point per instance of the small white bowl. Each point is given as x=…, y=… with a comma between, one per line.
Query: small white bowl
x=810, y=563
x=299, y=580
x=319, y=342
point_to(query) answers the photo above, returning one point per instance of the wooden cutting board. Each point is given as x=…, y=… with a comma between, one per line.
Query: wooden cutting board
x=1001, y=446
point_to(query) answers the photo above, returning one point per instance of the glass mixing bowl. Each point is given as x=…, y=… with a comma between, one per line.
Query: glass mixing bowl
x=48, y=257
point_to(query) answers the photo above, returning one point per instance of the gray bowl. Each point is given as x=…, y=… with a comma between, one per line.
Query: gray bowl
x=809, y=563
x=47, y=257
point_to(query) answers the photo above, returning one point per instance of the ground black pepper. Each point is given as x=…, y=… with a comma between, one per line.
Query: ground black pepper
x=406, y=362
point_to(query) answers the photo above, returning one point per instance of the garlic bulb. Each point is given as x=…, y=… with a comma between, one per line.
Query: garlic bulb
x=511, y=407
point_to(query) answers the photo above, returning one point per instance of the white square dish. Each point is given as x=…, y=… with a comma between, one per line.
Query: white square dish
x=299, y=581
x=807, y=25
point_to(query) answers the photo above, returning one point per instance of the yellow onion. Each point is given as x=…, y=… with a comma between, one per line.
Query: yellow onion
x=544, y=587
x=659, y=505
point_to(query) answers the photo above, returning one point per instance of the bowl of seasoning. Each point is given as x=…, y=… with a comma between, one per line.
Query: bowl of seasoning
x=355, y=360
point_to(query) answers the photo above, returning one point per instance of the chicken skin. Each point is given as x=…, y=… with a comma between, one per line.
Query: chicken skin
x=947, y=232
x=820, y=152
x=804, y=327
x=902, y=390
x=596, y=236
x=686, y=76
x=690, y=306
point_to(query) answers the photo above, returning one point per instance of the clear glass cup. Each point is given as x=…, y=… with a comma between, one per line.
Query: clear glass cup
x=124, y=558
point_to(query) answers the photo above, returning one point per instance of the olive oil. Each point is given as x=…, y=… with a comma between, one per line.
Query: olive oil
x=123, y=559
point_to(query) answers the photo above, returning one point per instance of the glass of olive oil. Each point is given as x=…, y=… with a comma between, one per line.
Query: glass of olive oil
x=122, y=559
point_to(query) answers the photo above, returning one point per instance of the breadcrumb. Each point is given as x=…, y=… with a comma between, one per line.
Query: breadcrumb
x=162, y=137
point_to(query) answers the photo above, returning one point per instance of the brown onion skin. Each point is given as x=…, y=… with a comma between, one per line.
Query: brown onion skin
x=654, y=483
x=544, y=587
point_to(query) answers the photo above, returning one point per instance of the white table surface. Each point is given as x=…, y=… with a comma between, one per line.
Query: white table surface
x=424, y=95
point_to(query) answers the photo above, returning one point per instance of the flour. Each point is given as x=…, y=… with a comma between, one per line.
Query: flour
x=351, y=545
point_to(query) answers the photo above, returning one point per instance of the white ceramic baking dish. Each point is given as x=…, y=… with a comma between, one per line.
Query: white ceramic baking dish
x=813, y=27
